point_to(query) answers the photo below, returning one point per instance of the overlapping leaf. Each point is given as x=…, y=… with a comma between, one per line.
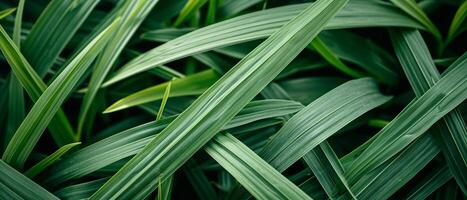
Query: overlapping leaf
x=214, y=108
x=49, y=102
x=259, y=25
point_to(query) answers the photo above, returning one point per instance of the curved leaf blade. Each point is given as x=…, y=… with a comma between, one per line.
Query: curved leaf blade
x=220, y=103
x=49, y=102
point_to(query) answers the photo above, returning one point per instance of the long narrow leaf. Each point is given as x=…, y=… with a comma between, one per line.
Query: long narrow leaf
x=132, y=15
x=129, y=142
x=49, y=102
x=59, y=127
x=14, y=185
x=259, y=25
x=422, y=74
x=415, y=119
x=194, y=84
x=255, y=174
x=6, y=12
x=458, y=23
x=220, y=103
x=49, y=160
x=53, y=30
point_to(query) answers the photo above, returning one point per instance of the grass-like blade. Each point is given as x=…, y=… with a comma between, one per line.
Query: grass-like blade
x=49, y=102
x=49, y=160
x=458, y=24
x=81, y=190
x=164, y=101
x=329, y=56
x=194, y=84
x=411, y=7
x=218, y=105
x=129, y=142
x=132, y=15
x=385, y=180
x=415, y=119
x=422, y=74
x=6, y=12
x=53, y=30
x=363, y=52
x=188, y=10
x=14, y=185
x=328, y=170
x=255, y=174
x=16, y=105
x=232, y=7
x=258, y=25
x=60, y=126
x=429, y=184
x=319, y=120
x=300, y=135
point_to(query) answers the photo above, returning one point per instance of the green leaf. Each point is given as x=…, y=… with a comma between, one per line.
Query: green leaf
x=363, y=52
x=321, y=119
x=422, y=74
x=429, y=184
x=411, y=7
x=164, y=101
x=255, y=174
x=329, y=56
x=194, y=84
x=458, y=23
x=16, y=106
x=132, y=15
x=6, y=12
x=14, y=185
x=258, y=25
x=218, y=105
x=50, y=101
x=328, y=170
x=49, y=160
x=53, y=30
x=385, y=180
x=165, y=189
x=80, y=191
x=129, y=142
x=232, y=7
x=59, y=127
x=188, y=10
x=415, y=119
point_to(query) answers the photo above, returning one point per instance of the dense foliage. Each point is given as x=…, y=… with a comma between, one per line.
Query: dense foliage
x=233, y=99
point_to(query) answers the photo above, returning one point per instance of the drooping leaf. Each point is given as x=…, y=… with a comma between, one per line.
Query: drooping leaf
x=259, y=25
x=300, y=135
x=411, y=7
